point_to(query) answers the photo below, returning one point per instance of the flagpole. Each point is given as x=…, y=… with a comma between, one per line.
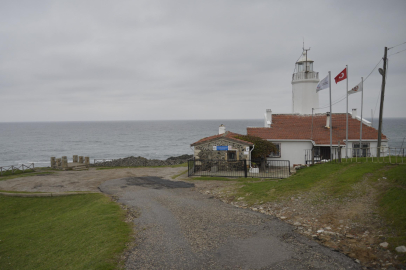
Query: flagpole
x=331, y=122
x=362, y=103
x=346, y=113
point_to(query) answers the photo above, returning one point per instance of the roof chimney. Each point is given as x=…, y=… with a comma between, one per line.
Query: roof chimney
x=354, y=113
x=328, y=120
x=222, y=129
x=268, y=118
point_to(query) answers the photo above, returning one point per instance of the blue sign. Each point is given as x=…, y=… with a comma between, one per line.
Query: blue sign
x=222, y=148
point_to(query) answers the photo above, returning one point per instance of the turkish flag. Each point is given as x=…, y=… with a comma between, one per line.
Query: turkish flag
x=341, y=76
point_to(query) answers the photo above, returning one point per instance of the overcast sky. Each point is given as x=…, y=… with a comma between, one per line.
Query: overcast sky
x=152, y=60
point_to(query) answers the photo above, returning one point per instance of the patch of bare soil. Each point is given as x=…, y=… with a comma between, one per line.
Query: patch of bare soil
x=67, y=181
x=350, y=225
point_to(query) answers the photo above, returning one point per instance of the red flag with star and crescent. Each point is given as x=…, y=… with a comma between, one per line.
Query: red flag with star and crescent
x=341, y=76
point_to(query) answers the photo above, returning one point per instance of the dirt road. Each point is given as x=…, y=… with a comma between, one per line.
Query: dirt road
x=179, y=228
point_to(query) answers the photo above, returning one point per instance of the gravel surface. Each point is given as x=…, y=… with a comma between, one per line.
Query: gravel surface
x=180, y=228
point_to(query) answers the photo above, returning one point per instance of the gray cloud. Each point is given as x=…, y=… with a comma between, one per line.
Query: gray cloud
x=134, y=60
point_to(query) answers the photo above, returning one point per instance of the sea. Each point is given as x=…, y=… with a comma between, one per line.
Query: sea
x=37, y=142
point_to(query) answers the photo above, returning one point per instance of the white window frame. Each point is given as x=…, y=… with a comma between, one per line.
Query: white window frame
x=271, y=155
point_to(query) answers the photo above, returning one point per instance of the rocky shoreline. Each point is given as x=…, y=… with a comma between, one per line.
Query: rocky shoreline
x=141, y=161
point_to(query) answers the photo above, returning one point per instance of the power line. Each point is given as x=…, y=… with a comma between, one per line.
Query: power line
x=335, y=102
x=396, y=45
x=372, y=70
x=397, y=52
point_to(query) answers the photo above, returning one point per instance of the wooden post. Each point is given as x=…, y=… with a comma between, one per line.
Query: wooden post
x=382, y=99
x=87, y=161
x=313, y=155
x=245, y=168
x=64, y=162
x=53, y=162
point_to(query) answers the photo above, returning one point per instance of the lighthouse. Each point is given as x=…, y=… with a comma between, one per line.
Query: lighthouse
x=304, y=82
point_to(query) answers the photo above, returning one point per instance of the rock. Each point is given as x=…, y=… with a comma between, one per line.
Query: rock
x=401, y=249
x=357, y=261
x=384, y=244
x=141, y=161
x=350, y=236
x=328, y=228
x=282, y=217
x=297, y=223
x=320, y=231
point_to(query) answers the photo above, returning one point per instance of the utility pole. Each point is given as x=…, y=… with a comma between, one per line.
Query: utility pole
x=383, y=73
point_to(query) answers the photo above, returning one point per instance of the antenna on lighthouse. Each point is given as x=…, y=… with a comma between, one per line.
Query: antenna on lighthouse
x=306, y=71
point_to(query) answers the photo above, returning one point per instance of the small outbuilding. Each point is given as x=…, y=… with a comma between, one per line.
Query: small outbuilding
x=223, y=146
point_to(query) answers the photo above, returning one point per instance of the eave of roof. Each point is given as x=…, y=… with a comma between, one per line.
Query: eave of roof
x=227, y=135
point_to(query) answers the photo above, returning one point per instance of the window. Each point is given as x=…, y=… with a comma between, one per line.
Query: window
x=231, y=155
x=276, y=154
x=363, y=152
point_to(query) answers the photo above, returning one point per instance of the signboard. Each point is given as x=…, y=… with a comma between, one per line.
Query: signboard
x=247, y=148
x=222, y=148
x=246, y=153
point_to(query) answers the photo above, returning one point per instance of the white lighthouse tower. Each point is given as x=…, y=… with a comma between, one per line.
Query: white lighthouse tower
x=304, y=82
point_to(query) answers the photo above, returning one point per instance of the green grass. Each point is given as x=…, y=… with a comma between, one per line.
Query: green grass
x=10, y=191
x=23, y=174
x=73, y=232
x=392, y=204
x=126, y=167
x=329, y=179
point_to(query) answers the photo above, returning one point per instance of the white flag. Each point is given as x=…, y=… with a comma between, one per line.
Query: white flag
x=356, y=89
x=323, y=84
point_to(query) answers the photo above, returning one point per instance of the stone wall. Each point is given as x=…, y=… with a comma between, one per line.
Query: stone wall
x=141, y=161
x=205, y=150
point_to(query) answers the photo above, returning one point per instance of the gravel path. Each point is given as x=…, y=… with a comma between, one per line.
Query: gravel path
x=180, y=228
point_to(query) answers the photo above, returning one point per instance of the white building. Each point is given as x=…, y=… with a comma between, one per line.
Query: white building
x=298, y=134
x=304, y=82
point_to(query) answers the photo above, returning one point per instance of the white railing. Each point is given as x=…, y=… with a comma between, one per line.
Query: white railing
x=305, y=76
x=364, y=154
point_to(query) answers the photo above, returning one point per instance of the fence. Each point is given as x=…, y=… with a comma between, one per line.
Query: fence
x=239, y=168
x=95, y=161
x=15, y=169
x=363, y=154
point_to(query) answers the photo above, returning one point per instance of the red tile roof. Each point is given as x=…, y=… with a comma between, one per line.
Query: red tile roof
x=229, y=135
x=299, y=127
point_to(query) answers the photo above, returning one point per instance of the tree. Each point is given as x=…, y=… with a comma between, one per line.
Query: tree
x=262, y=147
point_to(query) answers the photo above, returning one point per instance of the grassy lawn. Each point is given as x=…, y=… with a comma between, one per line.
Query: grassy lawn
x=19, y=173
x=74, y=232
x=392, y=204
x=329, y=179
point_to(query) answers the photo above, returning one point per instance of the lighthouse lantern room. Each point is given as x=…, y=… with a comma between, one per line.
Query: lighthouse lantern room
x=304, y=82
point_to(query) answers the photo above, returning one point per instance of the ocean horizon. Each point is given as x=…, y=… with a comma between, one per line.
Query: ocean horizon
x=36, y=142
